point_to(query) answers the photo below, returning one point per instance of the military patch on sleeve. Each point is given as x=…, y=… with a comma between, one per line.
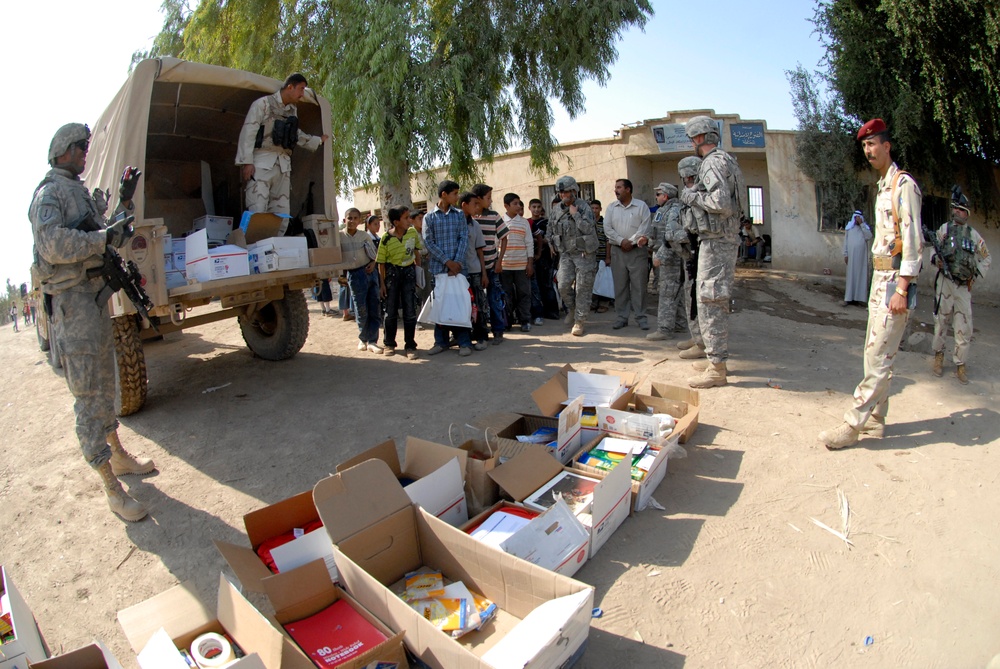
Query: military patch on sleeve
x=46, y=212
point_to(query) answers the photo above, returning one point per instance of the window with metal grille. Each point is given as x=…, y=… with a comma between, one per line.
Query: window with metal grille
x=755, y=194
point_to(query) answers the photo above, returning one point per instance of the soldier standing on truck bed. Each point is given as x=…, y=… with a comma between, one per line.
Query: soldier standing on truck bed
x=270, y=132
x=69, y=261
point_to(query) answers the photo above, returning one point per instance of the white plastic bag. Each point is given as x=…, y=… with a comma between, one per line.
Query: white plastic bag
x=604, y=283
x=450, y=303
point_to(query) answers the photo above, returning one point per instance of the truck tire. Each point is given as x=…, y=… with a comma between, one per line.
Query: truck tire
x=278, y=330
x=131, y=363
x=43, y=335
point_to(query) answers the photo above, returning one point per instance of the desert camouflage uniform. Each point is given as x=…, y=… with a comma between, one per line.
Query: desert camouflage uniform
x=268, y=189
x=715, y=205
x=885, y=329
x=669, y=245
x=574, y=237
x=67, y=261
x=955, y=300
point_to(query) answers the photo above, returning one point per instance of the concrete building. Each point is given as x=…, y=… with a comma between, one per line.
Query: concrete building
x=782, y=199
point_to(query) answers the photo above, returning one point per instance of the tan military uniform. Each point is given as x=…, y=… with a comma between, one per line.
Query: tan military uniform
x=885, y=330
x=268, y=190
x=955, y=301
x=82, y=327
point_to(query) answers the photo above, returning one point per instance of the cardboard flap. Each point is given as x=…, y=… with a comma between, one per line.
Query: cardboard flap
x=245, y=563
x=549, y=397
x=425, y=457
x=260, y=226
x=526, y=472
x=276, y=519
x=286, y=592
x=247, y=627
x=536, y=641
x=355, y=498
x=93, y=656
x=438, y=491
x=386, y=452
x=178, y=611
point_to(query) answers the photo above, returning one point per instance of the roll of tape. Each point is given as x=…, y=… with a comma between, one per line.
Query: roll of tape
x=212, y=650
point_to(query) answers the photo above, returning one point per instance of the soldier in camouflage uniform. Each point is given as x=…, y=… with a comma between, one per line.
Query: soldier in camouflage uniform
x=68, y=261
x=896, y=252
x=669, y=244
x=967, y=258
x=573, y=233
x=266, y=166
x=718, y=194
x=691, y=220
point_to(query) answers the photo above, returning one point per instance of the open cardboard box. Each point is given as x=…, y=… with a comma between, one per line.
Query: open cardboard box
x=549, y=397
x=683, y=404
x=379, y=536
x=307, y=591
x=642, y=491
x=482, y=457
x=26, y=646
x=568, y=433
x=92, y=656
x=272, y=521
x=437, y=473
x=260, y=226
x=527, y=472
x=183, y=617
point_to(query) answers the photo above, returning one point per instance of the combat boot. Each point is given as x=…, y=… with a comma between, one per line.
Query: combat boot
x=660, y=335
x=874, y=427
x=686, y=344
x=695, y=352
x=938, y=363
x=960, y=373
x=700, y=366
x=123, y=462
x=577, y=329
x=713, y=376
x=119, y=500
x=839, y=437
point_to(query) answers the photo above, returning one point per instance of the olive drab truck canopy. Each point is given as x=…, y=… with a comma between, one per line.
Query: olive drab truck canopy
x=179, y=122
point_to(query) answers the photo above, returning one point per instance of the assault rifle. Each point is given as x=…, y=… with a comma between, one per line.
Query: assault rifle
x=119, y=274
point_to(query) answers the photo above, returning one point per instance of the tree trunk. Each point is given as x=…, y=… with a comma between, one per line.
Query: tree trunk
x=394, y=188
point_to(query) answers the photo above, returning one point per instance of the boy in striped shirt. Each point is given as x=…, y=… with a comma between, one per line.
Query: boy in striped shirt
x=517, y=259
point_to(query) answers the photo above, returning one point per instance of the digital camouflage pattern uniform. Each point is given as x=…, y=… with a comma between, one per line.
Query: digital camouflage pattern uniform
x=669, y=244
x=716, y=207
x=268, y=189
x=954, y=298
x=885, y=329
x=691, y=220
x=82, y=328
x=574, y=237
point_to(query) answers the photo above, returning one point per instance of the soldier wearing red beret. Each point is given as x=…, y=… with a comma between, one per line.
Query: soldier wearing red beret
x=896, y=258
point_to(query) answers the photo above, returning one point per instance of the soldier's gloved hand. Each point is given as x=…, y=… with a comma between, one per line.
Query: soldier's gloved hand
x=119, y=233
x=101, y=200
x=130, y=179
x=687, y=196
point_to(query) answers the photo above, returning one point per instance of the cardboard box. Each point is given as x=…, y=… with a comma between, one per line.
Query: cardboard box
x=481, y=491
x=324, y=228
x=177, y=617
x=330, y=255
x=27, y=643
x=530, y=470
x=204, y=264
x=273, y=521
x=642, y=491
x=256, y=227
x=379, y=536
x=217, y=227
x=437, y=473
x=304, y=592
x=278, y=253
x=568, y=433
x=683, y=404
x=549, y=397
x=93, y=656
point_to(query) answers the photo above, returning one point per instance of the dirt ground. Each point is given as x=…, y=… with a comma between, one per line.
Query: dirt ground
x=733, y=573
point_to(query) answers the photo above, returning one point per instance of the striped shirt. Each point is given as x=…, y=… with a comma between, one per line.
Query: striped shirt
x=494, y=229
x=520, y=245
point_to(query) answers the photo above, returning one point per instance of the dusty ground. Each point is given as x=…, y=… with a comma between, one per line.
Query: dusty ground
x=732, y=574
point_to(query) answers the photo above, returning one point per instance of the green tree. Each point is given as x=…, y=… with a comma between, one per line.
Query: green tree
x=930, y=69
x=416, y=84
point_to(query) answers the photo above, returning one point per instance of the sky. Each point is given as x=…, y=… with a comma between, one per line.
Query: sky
x=71, y=58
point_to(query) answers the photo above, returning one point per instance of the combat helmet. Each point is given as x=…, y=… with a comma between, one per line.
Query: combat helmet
x=65, y=137
x=958, y=199
x=567, y=183
x=702, y=125
x=688, y=166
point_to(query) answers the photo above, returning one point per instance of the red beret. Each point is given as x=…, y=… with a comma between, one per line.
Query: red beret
x=873, y=127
